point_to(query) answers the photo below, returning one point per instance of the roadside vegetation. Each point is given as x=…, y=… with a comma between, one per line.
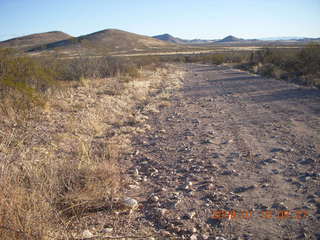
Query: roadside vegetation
x=205, y=58
x=64, y=127
x=297, y=65
x=300, y=65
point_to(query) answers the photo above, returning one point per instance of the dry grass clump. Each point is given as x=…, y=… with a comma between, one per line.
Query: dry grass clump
x=61, y=162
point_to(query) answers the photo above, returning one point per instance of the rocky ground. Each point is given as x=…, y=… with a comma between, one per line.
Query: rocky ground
x=232, y=142
x=235, y=156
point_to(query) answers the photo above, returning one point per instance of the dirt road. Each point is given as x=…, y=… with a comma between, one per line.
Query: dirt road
x=235, y=156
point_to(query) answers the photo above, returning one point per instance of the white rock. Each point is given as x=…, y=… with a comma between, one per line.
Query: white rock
x=205, y=236
x=87, y=234
x=194, y=237
x=155, y=198
x=108, y=230
x=220, y=238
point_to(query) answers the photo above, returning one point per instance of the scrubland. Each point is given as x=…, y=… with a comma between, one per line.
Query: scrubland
x=64, y=127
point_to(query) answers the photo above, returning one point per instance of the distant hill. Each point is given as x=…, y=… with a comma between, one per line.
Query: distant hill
x=33, y=40
x=292, y=38
x=309, y=40
x=109, y=40
x=229, y=39
x=169, y=38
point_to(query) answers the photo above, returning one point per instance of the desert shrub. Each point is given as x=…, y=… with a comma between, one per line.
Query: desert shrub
x=23, y=80
x=301, y=65
x=267, y=69
x=308, y=59
x=96, y=67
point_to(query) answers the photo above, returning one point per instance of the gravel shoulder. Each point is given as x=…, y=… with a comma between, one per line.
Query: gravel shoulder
x=234, y=156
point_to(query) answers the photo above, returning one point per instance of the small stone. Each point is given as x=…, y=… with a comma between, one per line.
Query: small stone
x=306, y=161
x=136, y=172
x=279, y=206
x=214, y=165
x=220, y=238
x=205, y=236
x=277, y=150
x=206, y=141
x=215, y=155
x=134, y=187
x=226, y=172
x=165, y=233
x=130, y=203
x=154, y=198
x=267, y=161
x=190, y=193
x=196, y=121
x=154, y=171
x=304, y=178
x=194, y=237
x=87, y=234
x=261, y=206
x=107, y=230
x=243, y=189
x=191, y=215
x=173, y=228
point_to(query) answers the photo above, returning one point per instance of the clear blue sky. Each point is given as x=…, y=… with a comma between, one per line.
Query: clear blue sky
x=207, y=19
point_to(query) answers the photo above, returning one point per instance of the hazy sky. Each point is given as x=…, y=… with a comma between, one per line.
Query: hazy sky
x=208, y=19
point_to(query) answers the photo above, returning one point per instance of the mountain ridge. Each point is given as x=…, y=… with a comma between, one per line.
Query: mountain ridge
x=109, y=40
